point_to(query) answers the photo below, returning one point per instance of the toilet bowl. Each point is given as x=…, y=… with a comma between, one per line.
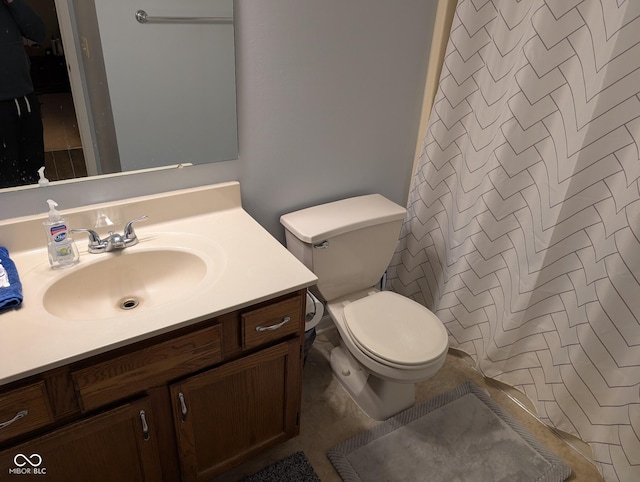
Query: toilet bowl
x=388, y=342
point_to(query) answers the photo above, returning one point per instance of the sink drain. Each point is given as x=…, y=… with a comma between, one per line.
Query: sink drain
x=128, y=303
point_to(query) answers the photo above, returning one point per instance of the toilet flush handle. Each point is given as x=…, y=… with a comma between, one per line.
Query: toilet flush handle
x=322, y=245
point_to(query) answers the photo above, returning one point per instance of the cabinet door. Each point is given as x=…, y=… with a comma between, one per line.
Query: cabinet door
x=226, y=414
x=114, y=445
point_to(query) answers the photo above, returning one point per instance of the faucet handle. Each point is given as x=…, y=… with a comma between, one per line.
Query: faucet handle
x=96, y=245
x=94, y=239
x=113, y=241
x=129, y=233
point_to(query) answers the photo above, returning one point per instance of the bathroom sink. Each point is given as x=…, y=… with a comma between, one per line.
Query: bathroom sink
x=125, y=282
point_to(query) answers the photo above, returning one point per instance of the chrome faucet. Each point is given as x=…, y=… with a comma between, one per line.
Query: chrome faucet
x=113, y=241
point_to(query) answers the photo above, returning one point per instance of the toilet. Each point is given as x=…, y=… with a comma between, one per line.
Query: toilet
x=388, y=342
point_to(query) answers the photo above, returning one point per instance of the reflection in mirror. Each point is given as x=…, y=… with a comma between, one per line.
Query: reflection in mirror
x=21, y=150
x=119, y=95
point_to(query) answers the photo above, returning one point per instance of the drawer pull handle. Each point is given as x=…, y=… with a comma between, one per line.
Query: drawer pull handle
x=286, y=319
x=145, y=427
x=19, y=415
x=183, y=406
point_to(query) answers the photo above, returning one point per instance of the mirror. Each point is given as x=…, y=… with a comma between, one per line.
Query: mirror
x=118, y=93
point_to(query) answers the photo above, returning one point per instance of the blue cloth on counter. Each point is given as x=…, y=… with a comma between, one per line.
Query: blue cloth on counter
x=10, y=296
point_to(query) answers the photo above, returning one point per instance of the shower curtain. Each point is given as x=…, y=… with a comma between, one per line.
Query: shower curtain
x=523, y=226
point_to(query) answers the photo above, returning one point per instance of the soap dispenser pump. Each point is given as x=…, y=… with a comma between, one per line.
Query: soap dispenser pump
x=60, y=245
x=42, y=181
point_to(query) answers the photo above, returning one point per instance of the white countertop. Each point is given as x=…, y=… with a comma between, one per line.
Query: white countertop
x=246, y=265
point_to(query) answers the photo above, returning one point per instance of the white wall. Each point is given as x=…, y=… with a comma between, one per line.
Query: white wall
x=329, y=94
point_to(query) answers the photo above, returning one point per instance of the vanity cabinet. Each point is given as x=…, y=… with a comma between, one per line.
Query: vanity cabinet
x=226, y=414
x=24, y=409
x=114, y=445
x=185, y=405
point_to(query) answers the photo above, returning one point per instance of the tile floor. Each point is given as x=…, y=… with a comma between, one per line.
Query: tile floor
x=329, y=416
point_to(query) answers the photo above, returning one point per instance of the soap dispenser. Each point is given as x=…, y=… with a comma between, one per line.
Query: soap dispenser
x=60, y=245
x=42, y=181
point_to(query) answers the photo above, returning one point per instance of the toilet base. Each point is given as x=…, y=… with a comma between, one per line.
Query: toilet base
x=378, y=398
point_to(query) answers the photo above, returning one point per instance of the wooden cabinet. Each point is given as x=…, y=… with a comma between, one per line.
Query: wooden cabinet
x=185, y=405
x=24, y=409
x=127, y=374
x=118, y=444
x=226, y=414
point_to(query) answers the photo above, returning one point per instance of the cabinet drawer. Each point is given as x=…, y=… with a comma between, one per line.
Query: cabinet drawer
x=23, y=410
x=135, y=372
x=271, y=322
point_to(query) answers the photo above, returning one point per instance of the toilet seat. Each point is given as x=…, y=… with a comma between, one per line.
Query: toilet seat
x=395, y=330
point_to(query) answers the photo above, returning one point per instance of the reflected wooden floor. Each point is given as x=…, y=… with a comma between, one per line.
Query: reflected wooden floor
x=64, y=157
x=64, y=164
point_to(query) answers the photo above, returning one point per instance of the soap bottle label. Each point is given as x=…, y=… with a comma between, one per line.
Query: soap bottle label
x=62, y=248
x=58, y=233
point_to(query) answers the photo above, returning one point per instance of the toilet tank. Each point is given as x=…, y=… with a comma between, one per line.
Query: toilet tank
x=348, y=244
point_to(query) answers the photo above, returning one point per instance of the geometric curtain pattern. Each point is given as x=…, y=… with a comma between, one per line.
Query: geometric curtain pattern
x=523, y=225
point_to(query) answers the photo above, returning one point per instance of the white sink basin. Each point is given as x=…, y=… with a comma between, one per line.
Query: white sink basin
x=129, y=281
x=200, y=256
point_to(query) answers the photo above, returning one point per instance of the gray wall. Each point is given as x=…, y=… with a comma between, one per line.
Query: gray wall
x=329, y=95
x=172, y=86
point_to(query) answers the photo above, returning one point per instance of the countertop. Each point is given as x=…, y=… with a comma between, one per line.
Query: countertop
x=246, y=265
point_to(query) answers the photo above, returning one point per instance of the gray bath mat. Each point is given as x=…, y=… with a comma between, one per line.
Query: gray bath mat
x=294, y=468
x=461, y=435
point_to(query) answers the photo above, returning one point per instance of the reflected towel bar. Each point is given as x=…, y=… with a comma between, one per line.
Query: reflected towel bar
x=142, y=17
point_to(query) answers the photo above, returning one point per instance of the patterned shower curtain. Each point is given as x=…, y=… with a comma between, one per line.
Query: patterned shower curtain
x=523, y=232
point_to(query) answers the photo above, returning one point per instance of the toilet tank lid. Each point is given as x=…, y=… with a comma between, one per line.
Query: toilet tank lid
x=318, y=223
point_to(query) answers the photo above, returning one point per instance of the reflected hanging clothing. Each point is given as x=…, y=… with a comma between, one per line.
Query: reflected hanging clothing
x=17, y=22
x=21, y=141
